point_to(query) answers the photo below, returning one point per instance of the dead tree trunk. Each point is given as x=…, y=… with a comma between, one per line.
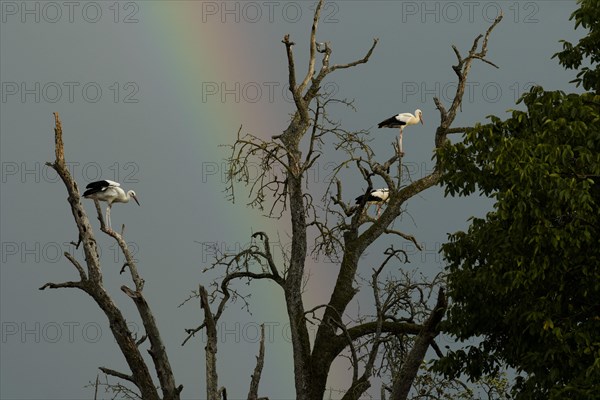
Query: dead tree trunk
x=212, y=380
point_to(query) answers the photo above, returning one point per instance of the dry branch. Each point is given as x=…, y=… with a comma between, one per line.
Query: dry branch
x=260, y=361
x=92, y=283
x=212, y=380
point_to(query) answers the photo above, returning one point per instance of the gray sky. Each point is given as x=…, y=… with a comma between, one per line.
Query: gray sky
x=147, y=90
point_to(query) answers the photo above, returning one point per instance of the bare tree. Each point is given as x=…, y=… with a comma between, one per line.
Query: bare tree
x=342, y=230
x=91, y=282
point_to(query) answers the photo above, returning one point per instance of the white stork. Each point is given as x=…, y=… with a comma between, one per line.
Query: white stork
x=400, y=121
x=110, y=192
x=375, y=196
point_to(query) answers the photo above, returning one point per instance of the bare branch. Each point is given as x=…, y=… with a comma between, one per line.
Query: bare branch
x=260, y=359
x=117, y=374
x=405, y=236
x=141, y=340
x=369, y=328
x=192, y=332
x=69, y=284
x=292, y=76
x=212, y=380
x=462, y=71
x=267, y=253
x=458, y=130
x=436, y=348
x=59, y=149
x=130, y=262
x=363, y=60
x=313, y=48
x=223, y=393
x=96, y=387
x=82, y=273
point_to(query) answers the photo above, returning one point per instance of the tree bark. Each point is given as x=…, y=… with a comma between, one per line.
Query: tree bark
x=260, y=361
x=212, y=380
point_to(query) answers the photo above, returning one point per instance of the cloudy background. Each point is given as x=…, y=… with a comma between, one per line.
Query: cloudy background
x=147, y=91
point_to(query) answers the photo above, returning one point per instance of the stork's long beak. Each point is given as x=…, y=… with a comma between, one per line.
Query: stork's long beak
x=136, y=200
x=421, y=120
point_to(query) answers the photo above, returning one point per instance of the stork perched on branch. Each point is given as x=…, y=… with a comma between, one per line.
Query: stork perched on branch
x=110, y=192
x=400, y=121
x=375, y=196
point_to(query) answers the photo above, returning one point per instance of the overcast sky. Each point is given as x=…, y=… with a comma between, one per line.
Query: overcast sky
x=147, y=90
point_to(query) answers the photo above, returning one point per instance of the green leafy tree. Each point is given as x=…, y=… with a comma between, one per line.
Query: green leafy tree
x=526, y=278
x=573, y=56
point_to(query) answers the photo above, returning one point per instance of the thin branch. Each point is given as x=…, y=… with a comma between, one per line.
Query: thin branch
x=353, y=352
x=313, y=48
x=141, y=340
x=436, y=348
x=192, y=332
x=69, y=284
x=96, y=387
x=137, y=280
x=82, y=273
x=117, y=374
x=369, y=328
x=292, y=74
x=267, y=253
x=363, y=60
x=458, y=130
x=405, y=236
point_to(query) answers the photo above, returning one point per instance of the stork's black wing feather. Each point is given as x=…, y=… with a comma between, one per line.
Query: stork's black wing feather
x=98, y=186
x=370, y=197
x=391, y=122
x=92, y=191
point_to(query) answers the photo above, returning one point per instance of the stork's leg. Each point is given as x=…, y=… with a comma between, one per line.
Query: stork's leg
x=400, y=143
x=108, y=217
x=378, y=210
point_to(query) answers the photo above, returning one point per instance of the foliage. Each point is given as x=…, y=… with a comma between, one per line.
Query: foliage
x=526, y=277
x=572, y=56
x=430, y=385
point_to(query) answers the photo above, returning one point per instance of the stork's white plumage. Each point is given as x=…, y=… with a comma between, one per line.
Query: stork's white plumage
x=110, y=192
x=375, y=196
x=400, y=121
